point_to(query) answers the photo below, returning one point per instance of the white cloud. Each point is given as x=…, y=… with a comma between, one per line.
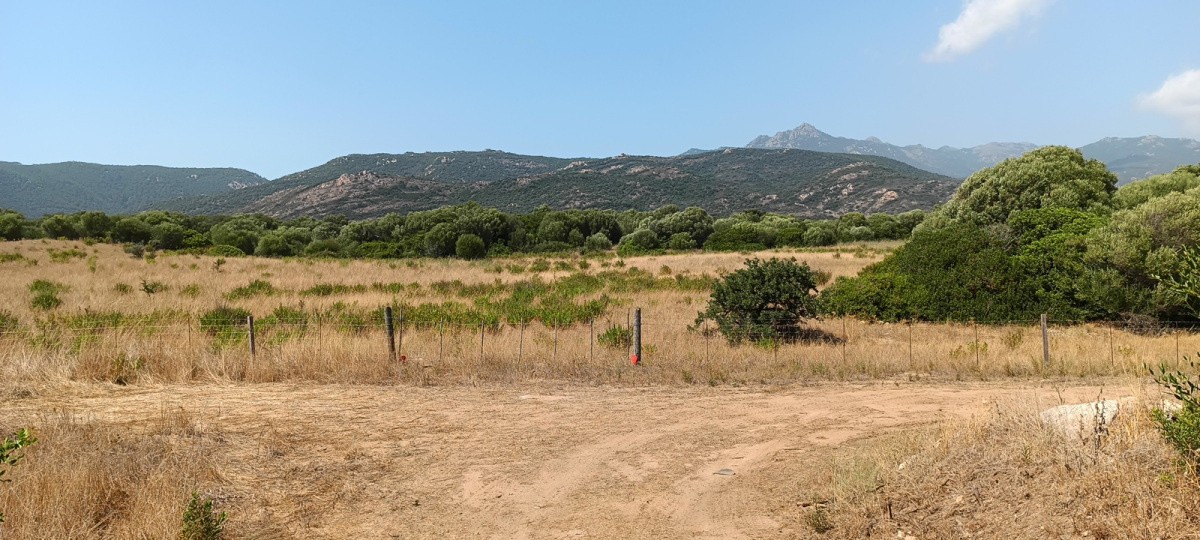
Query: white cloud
x=980, y=21
x=1178, y=97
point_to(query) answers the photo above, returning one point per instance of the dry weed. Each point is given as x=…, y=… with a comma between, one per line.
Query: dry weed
x=1010, y=476
x=85, y=478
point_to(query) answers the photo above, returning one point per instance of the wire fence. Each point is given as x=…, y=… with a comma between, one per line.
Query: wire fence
x=323, y=348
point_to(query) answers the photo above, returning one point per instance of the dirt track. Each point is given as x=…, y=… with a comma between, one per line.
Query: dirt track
x=321, y=461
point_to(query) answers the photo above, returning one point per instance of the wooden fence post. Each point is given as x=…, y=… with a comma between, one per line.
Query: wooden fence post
x=1045, y=343
x=391, y=333
x=637, y=337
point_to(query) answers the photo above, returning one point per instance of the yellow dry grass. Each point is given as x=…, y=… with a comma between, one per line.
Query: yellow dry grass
x=172, y=348
x=87, y=479
x=1006, y=475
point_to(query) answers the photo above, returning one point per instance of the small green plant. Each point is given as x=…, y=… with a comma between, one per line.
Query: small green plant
x=222, y=319
x=217, y=264
x=1180, y=427
x=152, y=287
x=91, y=264
x=201, y=521
x=122, y=288
x=65, y=255
x=45, y=294
x=8, y=452
x=191, y=291
x=616, y=337
x=257, y=287
x=539, y=265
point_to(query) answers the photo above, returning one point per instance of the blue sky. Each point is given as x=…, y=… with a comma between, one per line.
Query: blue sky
x=277, y=87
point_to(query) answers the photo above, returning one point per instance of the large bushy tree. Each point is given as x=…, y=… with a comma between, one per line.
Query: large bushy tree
x=1052, y=176
x=767, y=300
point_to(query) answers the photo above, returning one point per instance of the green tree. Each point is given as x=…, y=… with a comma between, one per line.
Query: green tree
x=639, y=241
x=767, y=300
x=59, y=226
x=131, y=229
x=1180, y=180
x=168, y=235
x=1050, y=176
x=95, y=225
x=470, y=246
x=11, y=225
x=597, y=242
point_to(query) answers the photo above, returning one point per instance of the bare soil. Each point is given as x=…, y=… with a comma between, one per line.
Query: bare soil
x=532, y=461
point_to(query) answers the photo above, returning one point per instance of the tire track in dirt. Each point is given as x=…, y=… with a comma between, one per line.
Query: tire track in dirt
x=331, y=461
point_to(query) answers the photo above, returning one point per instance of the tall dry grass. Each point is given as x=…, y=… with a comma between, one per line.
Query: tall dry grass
x=1006, y=475
x=172, y=347
x=86, y=478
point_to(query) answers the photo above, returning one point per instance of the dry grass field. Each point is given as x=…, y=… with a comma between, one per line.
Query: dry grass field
x=533, y=430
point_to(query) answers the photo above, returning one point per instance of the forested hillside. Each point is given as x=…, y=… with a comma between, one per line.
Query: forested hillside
x=35, y=190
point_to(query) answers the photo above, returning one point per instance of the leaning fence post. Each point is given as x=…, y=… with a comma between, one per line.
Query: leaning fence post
x=592, y=339
x=391, y=332
x=250, y=327
x=1045, y=344
x=637, y=337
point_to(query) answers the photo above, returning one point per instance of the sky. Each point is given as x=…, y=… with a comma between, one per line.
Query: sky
x=277, y=87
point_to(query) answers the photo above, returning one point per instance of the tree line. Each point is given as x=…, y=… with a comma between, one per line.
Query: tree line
x=466, y=231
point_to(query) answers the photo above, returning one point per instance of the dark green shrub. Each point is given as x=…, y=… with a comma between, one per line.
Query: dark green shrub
x=767, y=300
x=470, y=246
x=257, y=287
x=378, y=250
x=222, y=319
x=597, y=242
x=637, y=242
x=681, y=241
x=616, y=337
x=958, y=272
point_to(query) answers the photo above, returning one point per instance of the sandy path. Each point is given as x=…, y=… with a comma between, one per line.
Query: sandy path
x=321, y=461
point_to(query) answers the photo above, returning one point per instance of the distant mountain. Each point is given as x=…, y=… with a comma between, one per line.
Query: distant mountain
x=953, y=162
x=35, y=190
x=435, y=167
x=812, y=184
x=1134, y=158
x=1129, y=158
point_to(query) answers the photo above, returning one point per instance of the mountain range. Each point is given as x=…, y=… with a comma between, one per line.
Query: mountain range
x=805, y=183
x=803, y=171
x=1129, y=158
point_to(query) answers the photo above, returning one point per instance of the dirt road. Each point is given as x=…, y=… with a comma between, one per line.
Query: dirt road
x=322, y=461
